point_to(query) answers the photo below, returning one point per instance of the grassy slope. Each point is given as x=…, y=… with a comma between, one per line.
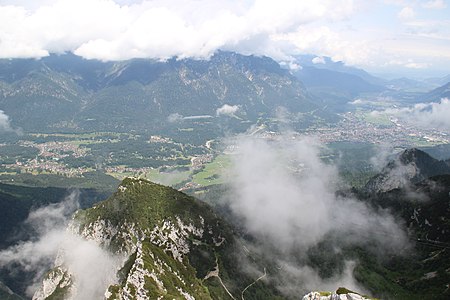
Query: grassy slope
x=148, y=204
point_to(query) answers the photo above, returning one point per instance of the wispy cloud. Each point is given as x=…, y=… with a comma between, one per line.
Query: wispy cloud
x=52, y=239
x=406, y=13
x=285, y=195
x=428, y=115
x=435, y=4
x=5, y=124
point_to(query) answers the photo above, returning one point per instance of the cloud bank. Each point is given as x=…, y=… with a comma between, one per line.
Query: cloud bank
x=285, y=195
x=345, y=30
x=435, y=4
x=118, y=30
x=92, y=267
x=428, y=115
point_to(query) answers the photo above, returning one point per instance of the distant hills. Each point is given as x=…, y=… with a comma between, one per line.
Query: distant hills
x=335, y=83
x=437, y=94
x=326, y=63
x=335, y=88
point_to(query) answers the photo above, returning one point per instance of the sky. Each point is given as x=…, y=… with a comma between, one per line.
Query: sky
x=406, y=37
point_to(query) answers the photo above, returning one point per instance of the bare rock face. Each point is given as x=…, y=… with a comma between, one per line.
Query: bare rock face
x=409, y=167
x=338, y=295
x=56, y=279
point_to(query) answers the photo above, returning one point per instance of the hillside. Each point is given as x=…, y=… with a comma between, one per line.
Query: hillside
x=168, y=244
x=16, y=204
x=7, y=294
x=424, y=207
x=410, y=166
x=173, y=247
x=437, y=94
x=335, y=88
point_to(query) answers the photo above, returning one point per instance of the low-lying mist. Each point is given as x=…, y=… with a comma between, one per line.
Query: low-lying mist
x=286, y=197
x=93, y=269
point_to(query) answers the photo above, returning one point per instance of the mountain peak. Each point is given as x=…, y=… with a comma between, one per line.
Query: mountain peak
x=147, y=204
x=415, y=155
x=169, y=245
x=410, y=166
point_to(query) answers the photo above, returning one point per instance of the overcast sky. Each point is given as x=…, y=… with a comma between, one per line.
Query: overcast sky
x=411, y=37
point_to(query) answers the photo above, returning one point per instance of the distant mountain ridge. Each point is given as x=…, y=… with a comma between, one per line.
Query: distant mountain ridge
x=326, y=63
x=335, y=83
x=437, y=94
x=335, y=88
x=68, y=93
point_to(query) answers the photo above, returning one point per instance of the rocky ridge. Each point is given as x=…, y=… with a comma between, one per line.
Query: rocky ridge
x=168, y=243
x=409, y=167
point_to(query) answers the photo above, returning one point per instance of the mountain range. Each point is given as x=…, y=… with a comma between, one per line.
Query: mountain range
x=68, y=93
x=228, y=92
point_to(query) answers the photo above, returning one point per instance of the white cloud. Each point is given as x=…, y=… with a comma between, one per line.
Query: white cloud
x=414, y=65
x=407, y=13
x=37, y=256
x=324, y=41
x=227, y=110
x=285, y=195
x=357, y=102
x=123, y=29
x=435, y=4
x=175, y=117
x=318, y=60
x=428, y=115
x=410, y=64
x=111, y=30
x=5, y=124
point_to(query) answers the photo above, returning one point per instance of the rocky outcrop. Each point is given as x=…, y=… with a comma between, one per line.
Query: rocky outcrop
x=409, y=167
x=154, y=238
x=57, y=279
x=334, y=296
